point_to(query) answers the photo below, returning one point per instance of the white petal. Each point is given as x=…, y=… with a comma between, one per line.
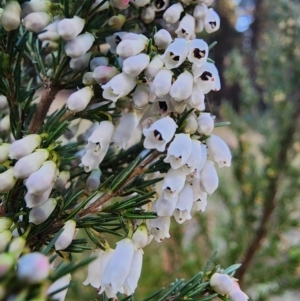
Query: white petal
x=173, y=183
x=209, y=180
x=218, y=151
x=182, y=87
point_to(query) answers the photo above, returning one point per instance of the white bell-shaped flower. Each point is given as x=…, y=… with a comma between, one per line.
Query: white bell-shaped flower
x=3, y=102
x=62, y=180
x=118, y=267
x=133, y=277
x=93, y=180
x=205, y=123
x=128, y=123
x=154, y=66
x=90, y=160
x=182, y=87
x=198, y=52
x=221, y=283
x=173, y=183
x=33, y=200
x=191, y=124
x=173, y=12
x=114, y=40
x=80, y=45
x=140, y=3
x=207, y=77
x=11, y=16
x=159, y=5
x=4, y=151
x=79, y=100
x=98, y=61
x=199, y=197
x=70, y=28
x=40, y=181
x=118, y=87
x=200, y=11
x=236, y=294
x=7, y=180
x=159, y=134
x=103, y=74
x=184, y=204
x=148, y=14
x=130, y=47
x=30, y=163
x=200, y=205
x=159, y=228
x=33, y=268
x=218, y=151
x=141, y=96
x=25, y=146
x=162, y=83
x=66, y=237
x=38, y=215
x=81, y=62
x=179, y=151
x=5, y=237
x=211, y=21
x=134, y=65
x=164, y=207
x=209, y=180
x=162, y=39
x=196, y=100
x=141, y=237
x=57, y=285
x=199, y=26
x=37, y=21
x=176, y=53
x=195, y=157
x=186, y=28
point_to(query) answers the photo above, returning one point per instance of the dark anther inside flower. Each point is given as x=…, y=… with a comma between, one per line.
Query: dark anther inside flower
x=174, y=57
x=157, y=135
x=199, y=53
x=159, y=3
x=213, y=24
x=118, y=40
x=205, y=76
x=163, y=106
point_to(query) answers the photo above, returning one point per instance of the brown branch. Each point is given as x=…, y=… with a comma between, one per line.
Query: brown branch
x=270, y=200
x=51, y=89
x=94, y=208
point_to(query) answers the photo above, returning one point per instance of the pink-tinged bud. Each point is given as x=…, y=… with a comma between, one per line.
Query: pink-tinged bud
x=81, y=62
x=221, y=283
x=5, y=223
x=120, y=4
x=7, y=262
x=98, y=61
x=79, y=100
x=80, y=45
x=7, y=180
x=5, y=237
x=11, y=16
x=4, y=151
x=30, y=163
x=25, y=146
x=37, y=21
x=70, y=28
x=103, y=74
x=148, y=14
x=33, y=268
x=61, y=181
x=38, y=215
x=66, y=237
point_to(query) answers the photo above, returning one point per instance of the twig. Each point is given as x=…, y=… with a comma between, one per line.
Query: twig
x=94, y=208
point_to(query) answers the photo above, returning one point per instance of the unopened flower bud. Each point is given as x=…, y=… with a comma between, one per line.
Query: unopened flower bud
x=154, y=66
x=5, y=124
x=25, y=146
x=38, y=215
x=80, y=45
x=148, y=14
x=4, y=151
x=33, y=268
x=221, y=283
x=209, y=180
x=5, y=237
x=11, y=16
x=88, y=79
x=5, y=223
x=7, y=262
x=182, y=87
x=205, y=123
x=66, y=237
x=140, y=3
x=162, y=39
x=116, y=22
x=30, y=163
x=130, y=47
x=134, y=65
x=3, y=102
x=162, y=82
x=172, y=13
x=79, y=100
x=98, y=61
x=93, y=181
x=62, y=179
x=200, y=11
x=37, y=21
x=50, y=32
x=81, y=62
x=103, y=74
x=17, y=246
x=141, y=96
x=141, y=236
x=236, y=294
x=70, y=28
x=191, y=125
x=35, y=6
x=7, y=180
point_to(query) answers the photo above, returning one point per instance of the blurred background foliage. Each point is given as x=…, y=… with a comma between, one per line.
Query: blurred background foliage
x=254, y=217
